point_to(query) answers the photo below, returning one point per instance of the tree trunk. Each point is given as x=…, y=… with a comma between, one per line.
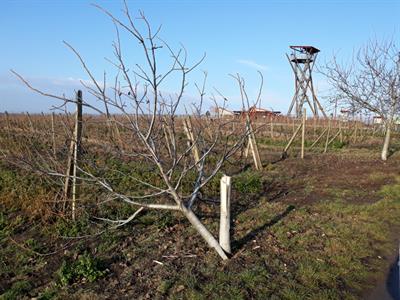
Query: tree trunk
x=386, y=143
x=209, y=238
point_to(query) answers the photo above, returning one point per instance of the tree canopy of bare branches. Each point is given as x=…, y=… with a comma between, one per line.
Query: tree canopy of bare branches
x=150, y=128
x=370, y=83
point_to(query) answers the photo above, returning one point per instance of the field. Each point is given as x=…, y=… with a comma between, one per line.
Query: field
x=322, y=227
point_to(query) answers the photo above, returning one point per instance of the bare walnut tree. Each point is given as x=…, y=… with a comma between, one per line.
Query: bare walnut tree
x=371, y=83
x=149, y=131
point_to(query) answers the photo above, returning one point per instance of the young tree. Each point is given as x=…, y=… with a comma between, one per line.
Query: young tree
x=370, y=83
x=151, y=130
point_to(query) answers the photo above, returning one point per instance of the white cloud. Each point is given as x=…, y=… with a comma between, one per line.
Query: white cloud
x=252, y=64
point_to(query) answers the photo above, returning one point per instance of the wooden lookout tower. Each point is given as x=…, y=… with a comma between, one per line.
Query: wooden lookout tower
x=302, y=60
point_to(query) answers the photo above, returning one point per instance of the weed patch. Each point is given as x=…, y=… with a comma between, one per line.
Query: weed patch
x=85, y=267
x=249, y=182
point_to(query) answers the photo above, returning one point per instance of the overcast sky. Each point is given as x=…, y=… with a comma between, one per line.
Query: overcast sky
x=237, y=36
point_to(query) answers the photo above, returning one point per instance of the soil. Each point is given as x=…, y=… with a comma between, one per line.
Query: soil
x=319, y=177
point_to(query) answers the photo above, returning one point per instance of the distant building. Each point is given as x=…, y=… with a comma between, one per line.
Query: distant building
x=224, y=112
x=379, y=120
x=255, y=112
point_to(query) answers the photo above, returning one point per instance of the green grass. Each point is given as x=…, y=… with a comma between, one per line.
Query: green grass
x=330, y=250
x=17, y=290
x=325, y=250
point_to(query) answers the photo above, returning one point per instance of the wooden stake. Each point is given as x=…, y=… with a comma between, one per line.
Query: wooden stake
x=334, y=137
x=117, y=132
x=77, y=149
x=320, y=136
x=327, y=135
x=291, y=140
x=189, y=133
x=167, y=141
x=355, y=132
x=315, y=126
x=254, y=148
x=74, y=156
x=30, y=122
x=246, y=151
x=53, y=135
x=225, y=217
x=303, y=132
x=8, y=123
x=272, y=128
x=293, y=125
x=340, y=130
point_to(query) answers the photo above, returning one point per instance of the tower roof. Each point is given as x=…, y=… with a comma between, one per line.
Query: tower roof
x=308, y=49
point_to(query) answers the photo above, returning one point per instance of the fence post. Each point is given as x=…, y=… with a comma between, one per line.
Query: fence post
x=225, y=217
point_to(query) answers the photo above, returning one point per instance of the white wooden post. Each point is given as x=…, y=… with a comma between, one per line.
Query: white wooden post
x=225, y=218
